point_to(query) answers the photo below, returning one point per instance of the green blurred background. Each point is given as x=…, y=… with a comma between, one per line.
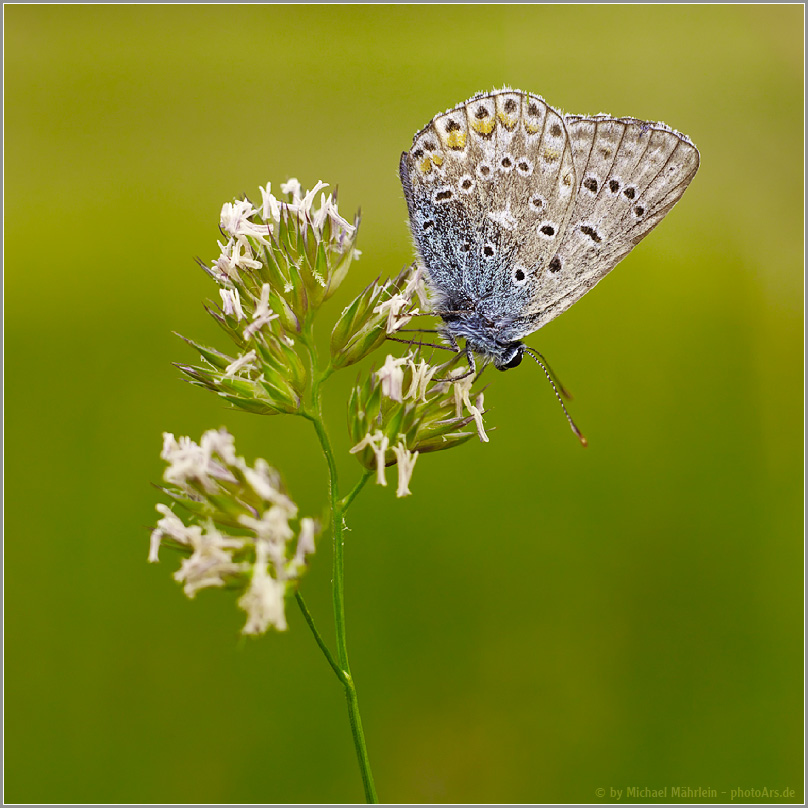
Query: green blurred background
x=537, y=621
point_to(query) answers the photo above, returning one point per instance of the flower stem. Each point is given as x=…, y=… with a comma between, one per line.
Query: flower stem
x=338, y=508
x=346, y=501
x=320, y=641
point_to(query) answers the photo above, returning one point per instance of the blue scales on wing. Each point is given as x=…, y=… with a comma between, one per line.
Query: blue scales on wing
x=490, y=185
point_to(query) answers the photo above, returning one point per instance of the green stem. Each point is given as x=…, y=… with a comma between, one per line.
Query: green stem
x=346, y=501
x=338, y=508
x=338, y=523
x=323, y=647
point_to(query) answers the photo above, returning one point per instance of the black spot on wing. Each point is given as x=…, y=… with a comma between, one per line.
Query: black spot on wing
x=591, y=232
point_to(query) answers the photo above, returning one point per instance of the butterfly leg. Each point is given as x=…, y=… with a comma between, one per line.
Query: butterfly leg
x=412, y=342
x=472, y=363
x=472, y=366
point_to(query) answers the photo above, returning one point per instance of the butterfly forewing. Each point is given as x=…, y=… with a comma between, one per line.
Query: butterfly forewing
x=490, y=186
x=630, y=174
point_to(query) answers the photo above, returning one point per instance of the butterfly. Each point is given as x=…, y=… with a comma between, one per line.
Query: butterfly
x=518, y=210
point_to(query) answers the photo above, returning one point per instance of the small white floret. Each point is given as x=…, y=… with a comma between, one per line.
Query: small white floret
x=264, y=599
x=231, y=303
x=461, y=395
x=391, y=377
x=405, y=460
x=421, y=377
x=378, y=442
x=246, y=361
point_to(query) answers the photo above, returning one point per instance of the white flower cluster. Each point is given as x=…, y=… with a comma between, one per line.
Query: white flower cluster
x=236, y=221
x=391, y=378
x=202, y=475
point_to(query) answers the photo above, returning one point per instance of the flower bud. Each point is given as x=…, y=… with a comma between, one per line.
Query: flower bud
x=268, y=379
x=376, y=312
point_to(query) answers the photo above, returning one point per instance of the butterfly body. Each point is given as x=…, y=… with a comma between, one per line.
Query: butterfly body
x=517, y=210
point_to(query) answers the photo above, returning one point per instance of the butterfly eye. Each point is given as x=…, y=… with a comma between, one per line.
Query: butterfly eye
x=512, y=360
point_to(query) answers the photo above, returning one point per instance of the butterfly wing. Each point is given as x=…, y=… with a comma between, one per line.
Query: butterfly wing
x=630, y=174
x=486, y=182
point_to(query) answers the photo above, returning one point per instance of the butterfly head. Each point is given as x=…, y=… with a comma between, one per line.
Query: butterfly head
x=483, y=336
x=510, y=357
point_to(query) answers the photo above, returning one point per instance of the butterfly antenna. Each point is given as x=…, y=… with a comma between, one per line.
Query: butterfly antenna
x=539, y=359
x=561, y=389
